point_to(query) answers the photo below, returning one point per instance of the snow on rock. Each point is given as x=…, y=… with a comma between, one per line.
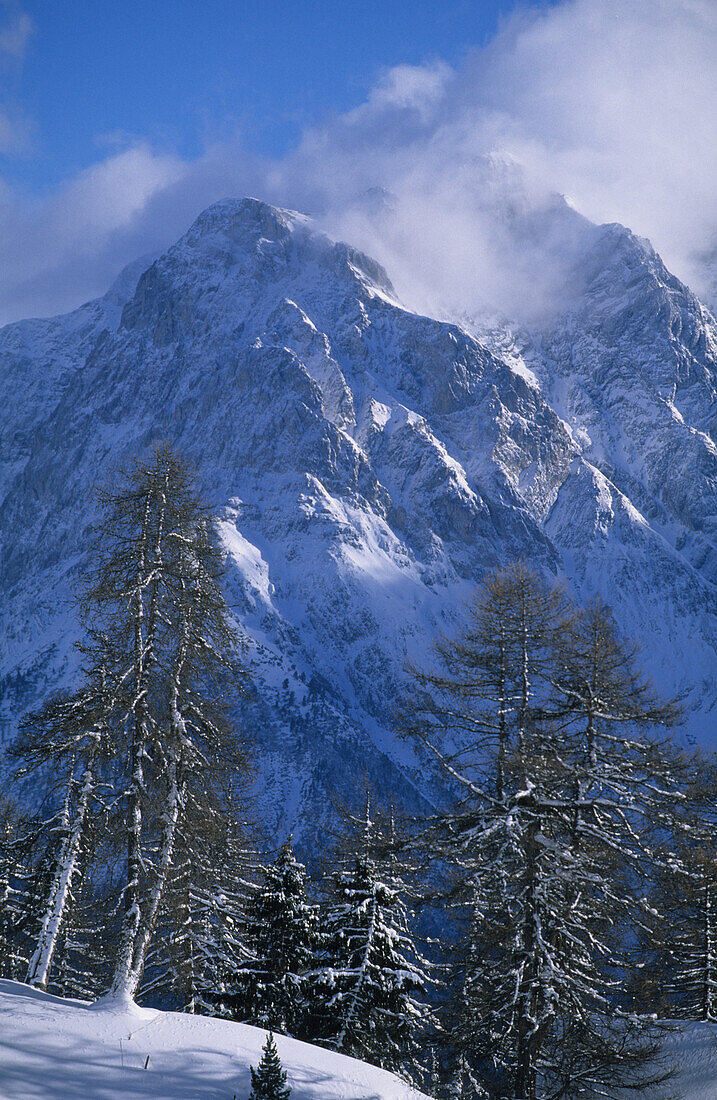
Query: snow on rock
x=54, y=1049
x=369, y=464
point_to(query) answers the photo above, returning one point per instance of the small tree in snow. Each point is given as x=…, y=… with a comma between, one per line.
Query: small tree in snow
x=268, y=1082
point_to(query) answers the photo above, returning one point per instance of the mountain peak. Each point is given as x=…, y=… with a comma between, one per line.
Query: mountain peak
x=240, y=246
x=242, y=219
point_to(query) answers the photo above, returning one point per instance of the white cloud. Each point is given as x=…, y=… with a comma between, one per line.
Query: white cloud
x=15, y=32
x=611, y=102
x=64, y=248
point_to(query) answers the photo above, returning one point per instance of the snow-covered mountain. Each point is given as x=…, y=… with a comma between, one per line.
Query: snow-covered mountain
x=369, y=464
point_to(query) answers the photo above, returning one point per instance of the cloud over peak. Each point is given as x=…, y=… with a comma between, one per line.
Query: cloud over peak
x=607, y=102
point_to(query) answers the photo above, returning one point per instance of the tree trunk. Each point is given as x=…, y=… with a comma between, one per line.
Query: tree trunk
x=60, y=891
x=124, y=984
x=154, y=897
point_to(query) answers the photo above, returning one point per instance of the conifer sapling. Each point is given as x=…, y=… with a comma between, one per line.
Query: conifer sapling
x=268, y=1082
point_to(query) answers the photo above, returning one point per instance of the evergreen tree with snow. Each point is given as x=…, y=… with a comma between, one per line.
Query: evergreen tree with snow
x=268, y=1082
x=270, y=989
x=202, y=928
x=365, y=994
x=462, y=1084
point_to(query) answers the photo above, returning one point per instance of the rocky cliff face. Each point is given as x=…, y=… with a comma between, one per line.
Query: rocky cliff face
x=369, y=465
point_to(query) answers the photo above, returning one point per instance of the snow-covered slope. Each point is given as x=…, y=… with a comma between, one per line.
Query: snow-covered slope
x=52, y=1049
x=370, y=464
x=693, y=1050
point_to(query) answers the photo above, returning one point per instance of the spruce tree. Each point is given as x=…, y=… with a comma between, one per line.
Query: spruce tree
x=270, y=988
x=364, y=997
x=203, y=933
x=268, y=1082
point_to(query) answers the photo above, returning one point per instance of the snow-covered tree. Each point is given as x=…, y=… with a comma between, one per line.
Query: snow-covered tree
x=268, y=1082
x=155, y=590
x=21, y=847
x=679, y=977
x=148, y=724
x=270, y=989
x=203, y=926
x=365, y=995
x=81, y=962
x=536, y=713
x=690, y=969
x=66, y=739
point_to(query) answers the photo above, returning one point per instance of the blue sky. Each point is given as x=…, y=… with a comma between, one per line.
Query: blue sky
x=121, y=121
x=97, y=75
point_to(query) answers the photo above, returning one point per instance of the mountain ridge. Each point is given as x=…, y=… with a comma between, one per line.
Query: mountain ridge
x=369, y=464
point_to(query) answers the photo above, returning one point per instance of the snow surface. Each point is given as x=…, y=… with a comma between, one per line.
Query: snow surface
x=57, y=1049
x=694, y=1049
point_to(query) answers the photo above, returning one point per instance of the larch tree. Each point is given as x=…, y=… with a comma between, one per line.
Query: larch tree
x=148, y=726
x=21, y=849
x=156, y=591
x=539, y=718
x=680, y=976
x=688, y=960
x=67, y=737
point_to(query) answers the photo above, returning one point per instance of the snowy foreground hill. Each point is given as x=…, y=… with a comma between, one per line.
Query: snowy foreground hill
x=51, y=1049
x=369, y=464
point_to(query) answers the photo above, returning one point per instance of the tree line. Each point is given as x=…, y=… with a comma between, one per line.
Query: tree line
x=523, y=941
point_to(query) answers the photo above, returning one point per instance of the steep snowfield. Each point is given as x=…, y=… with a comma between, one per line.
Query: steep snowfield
x=369, y=465
x=52, y=1049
